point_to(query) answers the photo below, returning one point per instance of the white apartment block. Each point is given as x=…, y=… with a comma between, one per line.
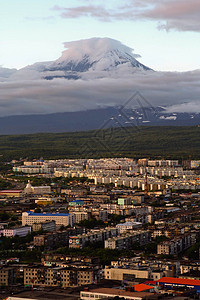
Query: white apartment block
x=29, y=218
x=79, y=216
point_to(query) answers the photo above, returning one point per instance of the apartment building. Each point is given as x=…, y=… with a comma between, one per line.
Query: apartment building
x=123, y=227
x=94, y=236
x=32, y=169
x=49, y=240
x=127, y=240
x=99, y=214
x=7, y=276
x=20, y=231
x=175, y=245
x=79, y=216
x=60, y=276
x=30, y=218
x=53, y=259
x=45, y=226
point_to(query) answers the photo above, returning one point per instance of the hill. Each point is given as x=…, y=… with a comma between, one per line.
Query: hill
x=144, y=141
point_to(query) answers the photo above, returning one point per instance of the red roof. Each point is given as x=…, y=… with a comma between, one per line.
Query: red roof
x=142, y=287
x=179, y=281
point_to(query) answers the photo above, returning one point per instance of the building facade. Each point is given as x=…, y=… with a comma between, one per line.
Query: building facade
x=29, y=218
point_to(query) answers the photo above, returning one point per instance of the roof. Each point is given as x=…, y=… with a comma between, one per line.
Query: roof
x=142, y=287
x=17, y=227
x=41, y=186
x=118, y=292
x=179, y=281
x=129, y=224
x=77, y=201
x=11, y=191
x=46, y=214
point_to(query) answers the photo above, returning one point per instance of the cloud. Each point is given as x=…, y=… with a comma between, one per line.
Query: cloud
x=104, y=84
x=94, y=47
x=180, y=15
x=175, y=90
x=98, y=12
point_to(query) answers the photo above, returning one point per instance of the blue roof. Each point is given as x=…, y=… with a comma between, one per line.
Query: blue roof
x=47, y=214
x=77, y=201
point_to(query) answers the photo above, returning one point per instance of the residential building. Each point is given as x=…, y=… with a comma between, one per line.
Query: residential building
x=20, y=231
x=79, y=216
x=123, y=227
x=50, y=240
x=127, y=240
x=30, y=218
x=7, y=276
x=93, y=236
x=60, y=276
x=45, y=226
x=175, y=245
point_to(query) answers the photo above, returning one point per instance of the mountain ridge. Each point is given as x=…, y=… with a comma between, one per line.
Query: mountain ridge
x=94, y=119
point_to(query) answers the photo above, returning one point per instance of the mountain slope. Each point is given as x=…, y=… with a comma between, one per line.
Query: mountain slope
x=95, y=119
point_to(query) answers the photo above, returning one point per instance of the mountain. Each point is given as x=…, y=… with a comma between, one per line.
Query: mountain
x=87, y=59
x=83, y=89
x=95, y=119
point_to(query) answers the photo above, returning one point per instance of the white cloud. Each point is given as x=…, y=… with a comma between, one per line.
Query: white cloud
x=179, y=91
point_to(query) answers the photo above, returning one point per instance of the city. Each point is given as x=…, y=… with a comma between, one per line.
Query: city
x=99, y=150
x=100, y=228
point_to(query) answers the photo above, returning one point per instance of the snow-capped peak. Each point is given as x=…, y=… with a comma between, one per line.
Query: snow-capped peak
x=88, y=59
x=95, y=48
x=95, y=58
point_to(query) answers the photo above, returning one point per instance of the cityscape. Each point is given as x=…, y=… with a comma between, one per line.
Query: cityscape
x=100, y=228
x=99, y=150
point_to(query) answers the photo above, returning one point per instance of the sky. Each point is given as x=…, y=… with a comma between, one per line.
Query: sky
x=166, y=33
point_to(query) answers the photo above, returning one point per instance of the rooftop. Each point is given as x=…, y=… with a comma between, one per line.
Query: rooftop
x=179, y=281
x=10, y=191
x=46, y=214
x=142, y=287
x=117, y=292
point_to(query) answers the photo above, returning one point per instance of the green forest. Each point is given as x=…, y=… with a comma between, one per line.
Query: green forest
x=145, y=141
